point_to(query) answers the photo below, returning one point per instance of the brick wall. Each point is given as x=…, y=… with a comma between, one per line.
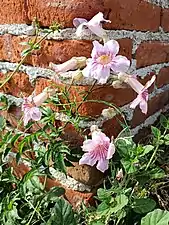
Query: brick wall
x=140, y=26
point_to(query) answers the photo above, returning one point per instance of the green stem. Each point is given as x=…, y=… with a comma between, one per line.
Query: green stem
x=86, y=96
x=22, y=60
x=152, y=157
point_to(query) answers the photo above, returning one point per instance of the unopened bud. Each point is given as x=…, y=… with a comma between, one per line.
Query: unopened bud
x=77, y=75
x=118, y=84
x=119, y=175
x=108, y=113
x=94, y=128
x=72, y=64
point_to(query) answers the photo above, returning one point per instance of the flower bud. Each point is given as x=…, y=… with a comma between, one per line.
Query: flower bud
x=77, y=75
x=118, y=84
x=119, y=175
x=108, y=113
x=72, y=64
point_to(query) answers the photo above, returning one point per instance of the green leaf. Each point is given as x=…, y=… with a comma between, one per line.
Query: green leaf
x=143, y=205
x=104, y=194
x=130, y=166
x=62, y=214
x=156, y=132
x=2, y=123
x=147, y=149
x=54, y=193
x=121, y=202
x=157, y=217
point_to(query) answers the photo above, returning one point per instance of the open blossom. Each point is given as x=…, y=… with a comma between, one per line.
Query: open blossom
x=71, y=64
x=30, y=107
x=94, y=25
x=98, y=150
x=104, y=59
x=142, y=91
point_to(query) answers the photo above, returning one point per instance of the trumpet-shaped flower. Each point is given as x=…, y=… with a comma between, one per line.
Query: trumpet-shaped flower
x=94, y=25
x=98, y=150
x=30, y=107
x=142, y=91
x=104, y=59
x=71, y=64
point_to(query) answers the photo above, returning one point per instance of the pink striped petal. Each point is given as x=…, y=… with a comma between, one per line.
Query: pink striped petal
x=120, y=64
x=103, y=165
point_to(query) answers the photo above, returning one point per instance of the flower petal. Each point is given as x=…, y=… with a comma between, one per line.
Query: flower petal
x=103, y=165
x=136, y=102
x=150, y=82
x=88, y=145
x=112, y=46
x=120, y=64
x=111, y=151
x=144, y=106
x=78, y=21
x=101, y=73
x=35, y=113
x=95, y=24
x=26, y=117
x=97, y=19
x=88, y=160
x=98, y=49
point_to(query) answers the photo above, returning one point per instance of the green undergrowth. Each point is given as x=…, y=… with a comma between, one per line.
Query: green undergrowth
x=137, y=196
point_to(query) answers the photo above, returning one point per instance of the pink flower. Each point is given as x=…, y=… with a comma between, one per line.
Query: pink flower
x=98, y=150
x=71, y=64
x=94, y=25
x=104, y=59
x=30, y=107
x=142, y=97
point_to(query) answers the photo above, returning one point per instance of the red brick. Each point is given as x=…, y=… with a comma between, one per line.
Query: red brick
x=163, y=77
x=165, y=20
x=112, y=127
x=63, y=12
x=139, y=15
x=154, y=105
x=149, y=53
x=12, y=11
x=18, y=85
x=85, y=174
x=118, y=97
x=51, y=50
x=133, y=15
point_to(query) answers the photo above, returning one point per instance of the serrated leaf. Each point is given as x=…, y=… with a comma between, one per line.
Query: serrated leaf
x=62, y=214
x=143, y=205
x=157, y=217
x=147, y=149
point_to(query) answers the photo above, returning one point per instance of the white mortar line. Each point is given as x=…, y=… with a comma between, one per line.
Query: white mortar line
x=162, y=3
x=69, y=33
x=35, y=72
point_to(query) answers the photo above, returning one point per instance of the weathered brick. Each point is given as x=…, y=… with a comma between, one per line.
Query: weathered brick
x=12, y=11
x=149, y=53
x=163, y=77
x=133, y=15
x=118, y=97
x=63, y=12
x=139, y=15
x=155, y=104
x=51, y=50
x=165, y=20
x=19, y=85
